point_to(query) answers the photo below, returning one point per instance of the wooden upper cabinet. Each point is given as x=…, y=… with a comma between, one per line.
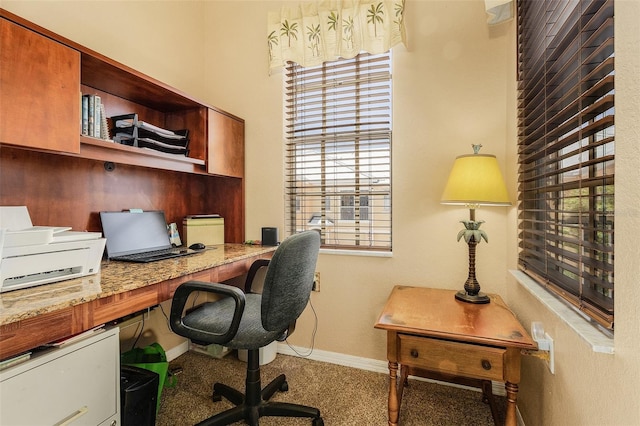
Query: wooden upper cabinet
x=39, y=91
x=226, y=145
x=42, y=76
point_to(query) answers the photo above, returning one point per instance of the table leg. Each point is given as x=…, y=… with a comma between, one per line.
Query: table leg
x=404, y=381
x=512, y=397
x=394, y=406
x=487, y=397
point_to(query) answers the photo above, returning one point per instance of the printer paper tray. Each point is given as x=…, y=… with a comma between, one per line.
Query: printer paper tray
x=43, y=268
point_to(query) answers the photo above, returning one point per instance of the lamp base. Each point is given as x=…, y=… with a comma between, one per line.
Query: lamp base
x=479, y=298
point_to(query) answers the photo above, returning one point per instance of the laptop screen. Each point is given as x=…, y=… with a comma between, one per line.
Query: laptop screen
x=130, y=233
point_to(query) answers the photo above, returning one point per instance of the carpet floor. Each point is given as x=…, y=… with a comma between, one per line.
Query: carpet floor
x=345, y=396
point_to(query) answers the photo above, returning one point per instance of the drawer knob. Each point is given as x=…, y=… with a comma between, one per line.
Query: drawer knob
x=414, y=353
x=486, y=364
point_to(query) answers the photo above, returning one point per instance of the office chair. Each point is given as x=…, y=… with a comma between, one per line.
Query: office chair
x=251, y=321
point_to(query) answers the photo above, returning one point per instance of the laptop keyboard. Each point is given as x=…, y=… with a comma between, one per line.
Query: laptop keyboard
x=154, y=255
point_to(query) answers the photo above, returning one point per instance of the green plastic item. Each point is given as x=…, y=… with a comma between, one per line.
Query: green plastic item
x=152, y=358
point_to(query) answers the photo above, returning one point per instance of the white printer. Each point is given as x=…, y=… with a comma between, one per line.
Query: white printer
x=33, y=255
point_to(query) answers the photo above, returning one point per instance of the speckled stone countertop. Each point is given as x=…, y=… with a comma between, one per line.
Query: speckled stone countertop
x=116, y=277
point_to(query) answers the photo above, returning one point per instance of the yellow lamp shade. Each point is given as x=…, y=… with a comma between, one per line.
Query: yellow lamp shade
x=476, y=179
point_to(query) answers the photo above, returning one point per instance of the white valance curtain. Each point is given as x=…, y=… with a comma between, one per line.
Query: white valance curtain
x=498, y=11
x=311, y=33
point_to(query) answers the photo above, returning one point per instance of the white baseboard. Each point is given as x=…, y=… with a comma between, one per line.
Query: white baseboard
x=335, y=358
x=176, y=351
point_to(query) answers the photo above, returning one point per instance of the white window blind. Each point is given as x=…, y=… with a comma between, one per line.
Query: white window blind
x=566, y=150
x=338, y=151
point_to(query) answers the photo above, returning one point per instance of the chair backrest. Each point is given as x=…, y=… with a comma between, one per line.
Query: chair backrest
x=289, y=280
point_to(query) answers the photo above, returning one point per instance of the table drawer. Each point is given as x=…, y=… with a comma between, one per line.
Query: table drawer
x=455, y=358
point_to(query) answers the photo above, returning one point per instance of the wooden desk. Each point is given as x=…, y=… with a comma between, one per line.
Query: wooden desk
x=41, y=314
x=429, y=330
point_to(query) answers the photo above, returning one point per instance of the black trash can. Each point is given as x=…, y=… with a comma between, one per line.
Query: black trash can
x=138, y=396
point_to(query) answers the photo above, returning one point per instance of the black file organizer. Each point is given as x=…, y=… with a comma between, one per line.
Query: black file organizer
x=173, y=142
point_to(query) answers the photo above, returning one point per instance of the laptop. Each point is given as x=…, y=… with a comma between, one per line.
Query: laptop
x=139, y=237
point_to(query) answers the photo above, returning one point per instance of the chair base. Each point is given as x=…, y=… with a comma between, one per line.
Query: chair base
x=255, y=403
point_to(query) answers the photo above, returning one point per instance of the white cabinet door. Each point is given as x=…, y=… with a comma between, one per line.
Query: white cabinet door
x=78, y=384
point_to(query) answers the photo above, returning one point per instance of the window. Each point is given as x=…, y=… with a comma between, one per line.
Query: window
x=338, y=151
x=348, y=209
x=566, y=150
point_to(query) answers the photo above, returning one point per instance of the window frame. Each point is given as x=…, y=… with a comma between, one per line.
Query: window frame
x=338, y=144
x=566, y=150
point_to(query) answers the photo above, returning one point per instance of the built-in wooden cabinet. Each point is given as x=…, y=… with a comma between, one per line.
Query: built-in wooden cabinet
x=226, y=145
x=39, y=91
x=43, y=75
x=65, y=178
x=124, y=91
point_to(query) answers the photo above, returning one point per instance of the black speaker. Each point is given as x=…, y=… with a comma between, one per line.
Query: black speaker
x=138, y=396
x=269, y=236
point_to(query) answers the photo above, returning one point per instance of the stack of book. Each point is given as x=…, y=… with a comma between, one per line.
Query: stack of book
x=94, y=119
x=128, y=130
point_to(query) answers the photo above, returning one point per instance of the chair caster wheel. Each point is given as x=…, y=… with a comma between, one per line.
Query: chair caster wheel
x=318, y=422
x=284, y=386
x=216, y=397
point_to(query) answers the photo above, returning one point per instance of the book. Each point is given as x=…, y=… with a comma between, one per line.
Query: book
x=104, y=127
x=85, y=115
x=91, y=114
x=96, y=117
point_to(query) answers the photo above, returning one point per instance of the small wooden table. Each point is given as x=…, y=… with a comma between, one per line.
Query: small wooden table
x=430, y=333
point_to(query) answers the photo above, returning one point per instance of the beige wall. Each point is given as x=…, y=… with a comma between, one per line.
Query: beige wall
x=450, y=90
x=454, y=85
x=593, y=388
x=131, y=32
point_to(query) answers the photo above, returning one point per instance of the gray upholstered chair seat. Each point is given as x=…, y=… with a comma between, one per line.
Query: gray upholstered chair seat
x=216, y=318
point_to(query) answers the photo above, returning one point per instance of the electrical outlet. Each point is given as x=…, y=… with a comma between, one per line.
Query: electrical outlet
x=316, y=282
x=545, y=345
x=552, y=361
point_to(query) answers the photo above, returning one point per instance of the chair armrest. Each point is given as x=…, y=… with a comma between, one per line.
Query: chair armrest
x=180, y=299
x=253, y=270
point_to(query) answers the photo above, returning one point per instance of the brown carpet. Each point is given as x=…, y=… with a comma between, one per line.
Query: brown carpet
x=345, y=396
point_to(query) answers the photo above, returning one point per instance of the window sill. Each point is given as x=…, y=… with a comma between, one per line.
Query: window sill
x=365, y=253
x=594, y=337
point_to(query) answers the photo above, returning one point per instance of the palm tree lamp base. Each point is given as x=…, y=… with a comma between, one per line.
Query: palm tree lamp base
x=479, y=298
x=474, y=180
x=472, y=235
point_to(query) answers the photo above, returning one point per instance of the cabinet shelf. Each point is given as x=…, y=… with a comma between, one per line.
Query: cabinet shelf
x=119, y=80
x=103, y=150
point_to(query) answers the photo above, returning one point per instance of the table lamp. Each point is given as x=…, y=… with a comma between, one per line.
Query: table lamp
x=475, y=180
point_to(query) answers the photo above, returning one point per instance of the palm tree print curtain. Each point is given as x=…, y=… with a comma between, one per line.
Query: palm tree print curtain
x=315, y=32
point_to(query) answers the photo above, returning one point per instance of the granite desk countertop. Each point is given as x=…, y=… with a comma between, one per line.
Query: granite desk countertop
x=116, y=277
